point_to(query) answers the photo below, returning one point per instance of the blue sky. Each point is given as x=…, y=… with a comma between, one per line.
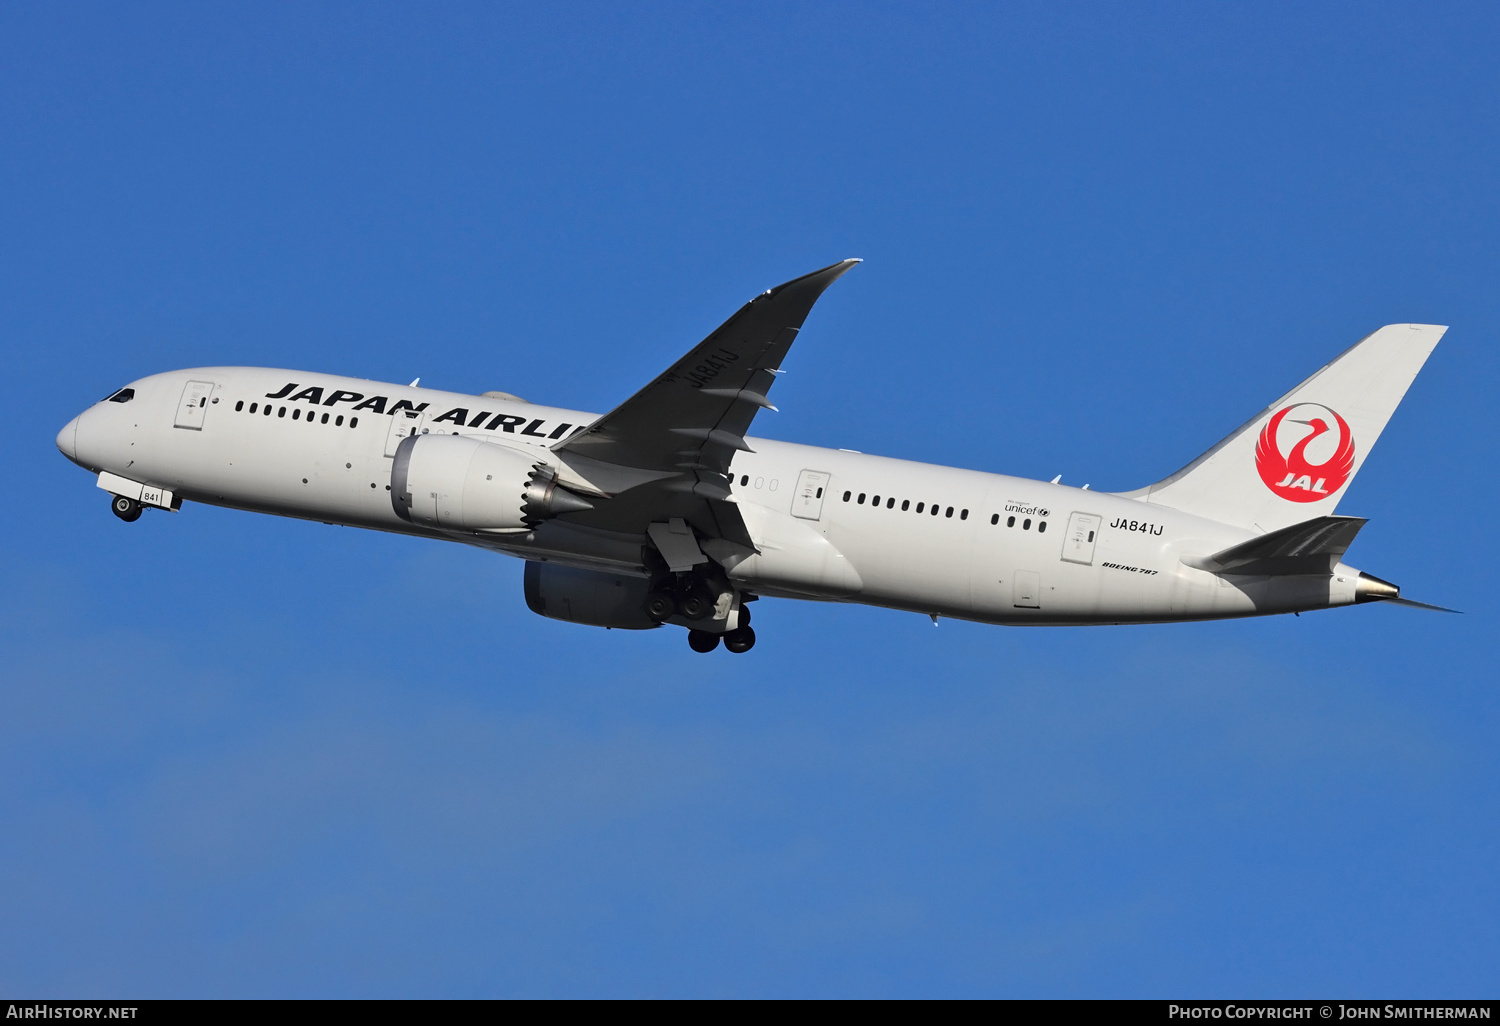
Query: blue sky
x=244, y=756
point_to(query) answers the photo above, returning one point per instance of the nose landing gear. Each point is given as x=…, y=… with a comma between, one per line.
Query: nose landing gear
x=128, y=510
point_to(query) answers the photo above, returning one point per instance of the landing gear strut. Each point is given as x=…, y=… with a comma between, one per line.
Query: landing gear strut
x=127, y=510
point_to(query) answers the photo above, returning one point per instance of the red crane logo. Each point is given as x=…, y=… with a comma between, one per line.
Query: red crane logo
x=1291, y=476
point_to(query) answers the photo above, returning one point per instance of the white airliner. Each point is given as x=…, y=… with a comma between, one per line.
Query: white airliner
x=664, y=511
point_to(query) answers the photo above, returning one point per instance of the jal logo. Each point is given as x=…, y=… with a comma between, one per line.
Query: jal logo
x=1290, y=443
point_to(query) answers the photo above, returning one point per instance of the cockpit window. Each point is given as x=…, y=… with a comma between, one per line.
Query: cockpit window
x=124, y=395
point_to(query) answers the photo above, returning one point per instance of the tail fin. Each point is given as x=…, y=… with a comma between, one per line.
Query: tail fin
x=1292, y=461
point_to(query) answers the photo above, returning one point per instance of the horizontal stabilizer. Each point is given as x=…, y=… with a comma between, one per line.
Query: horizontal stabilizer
x=1312, y=547
x=1398, y=601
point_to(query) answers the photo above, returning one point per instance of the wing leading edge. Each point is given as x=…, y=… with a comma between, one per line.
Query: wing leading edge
x=671, y=443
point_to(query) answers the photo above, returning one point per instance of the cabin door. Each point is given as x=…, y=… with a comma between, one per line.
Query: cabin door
x=807, y=502
x=193, y=406
x=1078, y=543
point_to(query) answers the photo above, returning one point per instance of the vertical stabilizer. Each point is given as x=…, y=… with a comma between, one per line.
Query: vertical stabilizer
x=1294, y=460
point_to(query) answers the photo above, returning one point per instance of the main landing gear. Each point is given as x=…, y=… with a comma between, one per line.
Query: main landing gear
x=741, y=639
x=693, y=602
x=127, y=510
x=696, y=597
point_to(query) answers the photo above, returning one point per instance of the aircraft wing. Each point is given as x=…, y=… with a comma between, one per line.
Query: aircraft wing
x=665, y=451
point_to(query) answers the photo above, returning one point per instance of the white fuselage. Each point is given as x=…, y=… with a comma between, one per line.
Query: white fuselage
x=939, y=540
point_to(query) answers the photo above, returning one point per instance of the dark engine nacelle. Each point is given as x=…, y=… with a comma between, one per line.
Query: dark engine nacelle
x=464, y=484
x=589, y=597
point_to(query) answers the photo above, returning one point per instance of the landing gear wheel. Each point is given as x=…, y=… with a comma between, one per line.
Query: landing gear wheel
x=660, y=605
x=127, y=510
x=696, y=606
x=741, y=639
x=702, y=641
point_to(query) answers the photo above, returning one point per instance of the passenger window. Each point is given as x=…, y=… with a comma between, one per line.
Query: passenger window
x=354, y=422
x=963, y=514
x=994, y=519
x=1026, y=524
x=266, y=410
x=239, y=406
x=281, y=412
x=252, y=407
x=820, y=493
x=846, y=496
x=936, y=509
x=297, y=414
x=1041, y=527
x=1010, y=521
x=890, y=503
x=861, y=499
x=1091, y=536
x=745, y=480
x=875, y=501
x=949, y=514
x=325, y=418
x=919, y=506
x=905, y=505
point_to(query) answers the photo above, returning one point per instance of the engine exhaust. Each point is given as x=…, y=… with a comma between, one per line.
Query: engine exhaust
x=1373, y=589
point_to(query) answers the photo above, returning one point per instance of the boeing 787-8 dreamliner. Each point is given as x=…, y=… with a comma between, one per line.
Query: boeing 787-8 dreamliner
x=666, y=511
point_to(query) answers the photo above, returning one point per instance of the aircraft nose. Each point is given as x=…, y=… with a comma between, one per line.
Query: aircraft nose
x=67, y=440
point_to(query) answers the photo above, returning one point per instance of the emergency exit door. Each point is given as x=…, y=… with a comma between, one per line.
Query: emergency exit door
x=1078, y=543
x=193, y=406
x=807, y=502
